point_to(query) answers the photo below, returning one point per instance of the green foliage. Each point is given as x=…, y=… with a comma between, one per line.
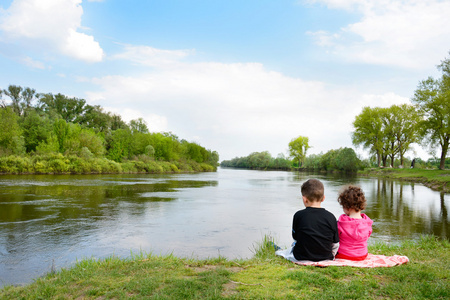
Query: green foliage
x=61, y=132
x=433, y=98
x=36, y=129
x=9, y=129
x=259, y=161
x=298, y=148
x=138, y=125
x=387, y=132
x=346, y=160
x=342, y=159
x=48, y=146
x=15, y=165
x=85, y=134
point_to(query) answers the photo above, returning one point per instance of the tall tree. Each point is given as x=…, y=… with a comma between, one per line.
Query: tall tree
x=2, y=101
x=36, y=129
x=406, y=131
x=28, y=95
x=433, y=98
x=298, y=148
x=369, y=131
x=69, y=109
x=9, y=128
x=138, y=125
x=14, y=93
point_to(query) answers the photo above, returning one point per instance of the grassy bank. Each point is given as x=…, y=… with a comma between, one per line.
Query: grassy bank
x=435, y=179
x=265, y=276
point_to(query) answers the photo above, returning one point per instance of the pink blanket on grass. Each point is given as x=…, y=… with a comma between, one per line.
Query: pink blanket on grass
x=372, y=261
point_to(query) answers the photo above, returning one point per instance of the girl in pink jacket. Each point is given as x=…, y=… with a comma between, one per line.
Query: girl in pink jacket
x=354, y=227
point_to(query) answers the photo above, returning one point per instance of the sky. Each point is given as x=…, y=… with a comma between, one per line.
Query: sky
x=234, y=76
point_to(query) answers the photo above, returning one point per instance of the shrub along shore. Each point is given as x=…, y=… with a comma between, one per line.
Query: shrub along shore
x=56, y=163
x=264, y=276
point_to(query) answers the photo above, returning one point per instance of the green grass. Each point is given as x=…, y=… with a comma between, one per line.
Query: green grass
x=265, y=276
x=435, y=179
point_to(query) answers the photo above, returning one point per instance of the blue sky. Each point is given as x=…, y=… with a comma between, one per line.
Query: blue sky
x=235, y=76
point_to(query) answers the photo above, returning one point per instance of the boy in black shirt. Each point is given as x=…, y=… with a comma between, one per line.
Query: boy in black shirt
x=314, y=229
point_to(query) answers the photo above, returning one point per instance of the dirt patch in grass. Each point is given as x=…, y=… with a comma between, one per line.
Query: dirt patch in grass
x=229, y=289
x=199, y=269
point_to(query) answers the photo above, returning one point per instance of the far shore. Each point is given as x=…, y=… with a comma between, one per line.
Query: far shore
x=438, y=180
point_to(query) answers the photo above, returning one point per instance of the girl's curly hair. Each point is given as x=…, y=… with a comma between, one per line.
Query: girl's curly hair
x=352, y=196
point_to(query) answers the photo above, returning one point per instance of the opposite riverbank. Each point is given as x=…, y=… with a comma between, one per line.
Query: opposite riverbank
x=56, y=163
x=265, y=276
x=438, y=180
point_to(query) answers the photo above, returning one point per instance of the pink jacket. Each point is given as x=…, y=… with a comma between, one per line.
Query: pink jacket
x=353, y=235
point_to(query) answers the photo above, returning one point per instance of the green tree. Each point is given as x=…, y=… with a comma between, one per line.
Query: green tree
x=14, y=93
x=406, y=131
x=433, y=98
x=213, y=158
x=369, y=131
x=61, y=131
x=298, y=148
x=117, y=122
x=28, y=95
x=36, y=129
x=118, y=145
x=95, y=118
x=138, y=125
x=10, y=132
x=346, y=160
x=259, y=160
x=69, y=109
x=391, y=124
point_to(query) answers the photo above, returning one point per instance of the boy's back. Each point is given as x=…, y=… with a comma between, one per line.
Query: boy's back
x=315, y=230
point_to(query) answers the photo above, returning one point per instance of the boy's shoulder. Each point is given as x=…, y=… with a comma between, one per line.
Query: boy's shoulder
x=317, y=211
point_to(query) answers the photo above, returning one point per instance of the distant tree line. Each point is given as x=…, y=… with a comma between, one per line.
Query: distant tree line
x=389, y=132
x=343, y=160
x=47, y=125
x=259, y=161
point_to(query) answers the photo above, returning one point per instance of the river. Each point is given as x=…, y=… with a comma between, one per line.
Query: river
x=50, y=221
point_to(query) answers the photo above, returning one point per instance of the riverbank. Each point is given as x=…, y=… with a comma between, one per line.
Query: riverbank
x=265, y=275
x=438, y=180
x=56, y=163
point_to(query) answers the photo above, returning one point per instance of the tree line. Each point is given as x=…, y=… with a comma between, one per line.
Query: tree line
x=259, y=161
x=34, y=124
x=389, y=132
x=343, y=160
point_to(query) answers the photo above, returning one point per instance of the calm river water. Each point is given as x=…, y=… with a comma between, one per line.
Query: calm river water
x=51, y=221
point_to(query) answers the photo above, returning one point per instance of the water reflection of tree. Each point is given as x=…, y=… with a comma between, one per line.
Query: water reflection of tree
x=52, y=212
x=393, y=215
x=444, y=217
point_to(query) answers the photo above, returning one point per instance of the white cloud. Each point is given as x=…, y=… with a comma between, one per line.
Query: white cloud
x=238, y=108
x=150, y=56
x=49, y=24
x=155, y=123
x=32, y=63
x=406, y=33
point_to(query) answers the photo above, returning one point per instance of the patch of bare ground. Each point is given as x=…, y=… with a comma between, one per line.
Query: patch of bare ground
x=229, y=289
x=205, y=268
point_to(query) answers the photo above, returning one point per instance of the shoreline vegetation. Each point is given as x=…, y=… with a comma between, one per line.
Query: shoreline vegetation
x=56, y=163
x=55, y=134
x=264, y=276
x=345, y=160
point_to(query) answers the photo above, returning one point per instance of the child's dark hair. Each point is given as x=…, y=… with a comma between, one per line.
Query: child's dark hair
x=313, y=190
x=352, y=196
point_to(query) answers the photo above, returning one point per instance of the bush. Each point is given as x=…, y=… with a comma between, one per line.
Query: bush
x=15, y=165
